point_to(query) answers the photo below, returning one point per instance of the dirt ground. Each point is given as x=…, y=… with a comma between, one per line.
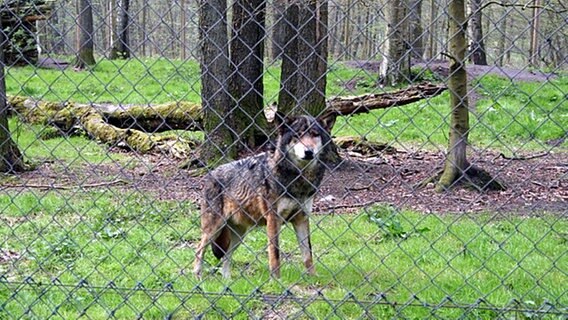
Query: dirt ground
x=534, y=185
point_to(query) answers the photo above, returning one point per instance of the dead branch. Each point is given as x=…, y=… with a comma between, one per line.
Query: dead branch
x=538, y=155
x=524, y=6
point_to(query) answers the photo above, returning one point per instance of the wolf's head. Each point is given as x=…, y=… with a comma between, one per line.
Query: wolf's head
x=303, y=138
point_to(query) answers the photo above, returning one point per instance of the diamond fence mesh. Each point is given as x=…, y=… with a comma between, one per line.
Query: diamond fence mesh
x=441, y=126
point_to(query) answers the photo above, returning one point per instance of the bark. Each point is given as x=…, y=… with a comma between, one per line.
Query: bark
x=477, y=49
x=416, y=30
x=287, y=96
x=121, y=47
x=304, y=62
x=11, y=159
x=456, y=160
x=215, y=71
x=278, y=29
x=85, y=53
x=395, y=68
x=246, y=85
x=535, y=26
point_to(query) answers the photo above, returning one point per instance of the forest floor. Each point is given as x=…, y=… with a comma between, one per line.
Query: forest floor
x=535, y=184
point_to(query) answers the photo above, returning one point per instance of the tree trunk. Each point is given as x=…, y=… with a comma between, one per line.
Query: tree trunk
x=456, y=160
x=85, y=54
x=11, y=159
x=183, y=30
x=395, y=68
x=477, y=48
x=121, y=47
x=535, y=26
x=278, y=29
x=215, y=71
x=416, y=30
x=287, y=96
x=503, y=39
x=304, y=62
x=246, y=85
x=432, y=32
x=457, y=168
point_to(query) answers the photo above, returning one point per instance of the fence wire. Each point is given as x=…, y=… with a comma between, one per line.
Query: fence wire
x=137, y=132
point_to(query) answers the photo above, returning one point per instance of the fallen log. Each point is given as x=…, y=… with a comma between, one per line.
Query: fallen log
x=133, y=126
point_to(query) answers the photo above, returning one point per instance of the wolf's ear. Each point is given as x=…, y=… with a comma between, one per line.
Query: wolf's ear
x=327, y=121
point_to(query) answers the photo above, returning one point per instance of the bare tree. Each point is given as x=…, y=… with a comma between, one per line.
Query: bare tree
x=395, y=68
x=121, y=45
x=247, y=60
x=11, y=159
x=304, y=61
x=416, y=30
x=457, y=168
x=477, y=46
x=85, y=52
x=215, y=71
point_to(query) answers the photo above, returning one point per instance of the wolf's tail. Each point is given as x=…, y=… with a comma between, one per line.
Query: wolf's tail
x=221, y=244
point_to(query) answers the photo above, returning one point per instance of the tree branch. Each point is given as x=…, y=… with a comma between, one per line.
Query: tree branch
x=523, y=6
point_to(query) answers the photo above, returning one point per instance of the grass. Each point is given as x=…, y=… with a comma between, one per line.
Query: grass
x=125, y=248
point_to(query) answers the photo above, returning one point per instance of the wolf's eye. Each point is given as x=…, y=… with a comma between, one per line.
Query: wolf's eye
x=315, y=133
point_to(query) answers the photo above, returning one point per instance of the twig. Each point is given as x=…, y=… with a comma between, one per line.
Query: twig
x=348, y=206
x=48, y=186
x=540, y=155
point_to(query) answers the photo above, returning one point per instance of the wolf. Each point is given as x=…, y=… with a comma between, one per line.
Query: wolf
x=267, y=189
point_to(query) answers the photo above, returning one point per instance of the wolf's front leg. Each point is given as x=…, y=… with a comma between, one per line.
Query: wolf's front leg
x=301, y=225
x=273, y=230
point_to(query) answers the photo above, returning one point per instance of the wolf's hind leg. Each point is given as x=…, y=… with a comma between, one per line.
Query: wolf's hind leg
x=211, y=225
x=236, y=239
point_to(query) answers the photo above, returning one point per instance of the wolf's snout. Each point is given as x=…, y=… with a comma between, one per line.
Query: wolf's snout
x=308, y=154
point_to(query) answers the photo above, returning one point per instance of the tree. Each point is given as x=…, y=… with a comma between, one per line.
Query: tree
x=11, y=159
x=477, y=47
x=121, y=47
x=416, y=30
x=457, y=168
x=215, y=71
x=247, y=60
x=304, y=60
x=395, y=68
x=85, y=52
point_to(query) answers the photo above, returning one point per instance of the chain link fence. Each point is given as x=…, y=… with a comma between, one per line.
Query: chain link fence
x=117, y=111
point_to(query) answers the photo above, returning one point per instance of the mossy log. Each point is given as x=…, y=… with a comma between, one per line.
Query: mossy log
x=133, y=126
x=130, y=127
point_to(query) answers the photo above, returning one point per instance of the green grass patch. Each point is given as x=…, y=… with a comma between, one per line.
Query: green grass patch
x=104, y=253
